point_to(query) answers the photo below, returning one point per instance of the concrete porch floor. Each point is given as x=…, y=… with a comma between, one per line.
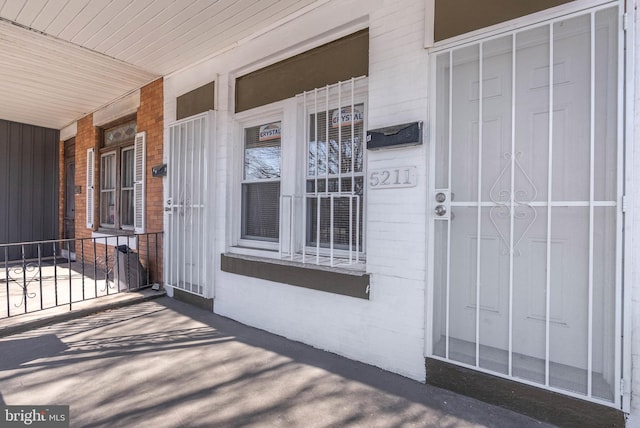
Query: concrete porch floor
x=163, y=363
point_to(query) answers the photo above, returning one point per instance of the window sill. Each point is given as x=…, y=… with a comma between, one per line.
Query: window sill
x=115, y=237
x=273, y=256
x=254, y=251
x=337, y=280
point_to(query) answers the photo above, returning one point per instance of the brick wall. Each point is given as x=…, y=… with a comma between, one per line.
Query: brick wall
x=150, y=120
x=86, y=138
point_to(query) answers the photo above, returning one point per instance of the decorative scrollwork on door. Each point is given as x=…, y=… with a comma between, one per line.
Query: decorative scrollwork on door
x=185, y=203
x=513, y=203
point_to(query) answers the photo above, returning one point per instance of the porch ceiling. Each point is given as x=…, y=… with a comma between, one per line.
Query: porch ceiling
x=63, y=59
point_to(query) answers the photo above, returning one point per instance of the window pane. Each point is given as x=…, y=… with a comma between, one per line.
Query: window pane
x=126, y=210
x=120, y=133
x=107, y=189
x=126, y=182
x=334, y=167
x=262, y=152
x=261, y=211
x=345, y=127
x=347, y=216
x=127, y=168
x=107, y=172
x=107, y=207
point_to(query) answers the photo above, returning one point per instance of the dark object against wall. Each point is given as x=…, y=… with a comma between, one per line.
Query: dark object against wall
x=159, y=170
x=407, y=134
x=455, y=17
x=336, y=61
x=28, y=185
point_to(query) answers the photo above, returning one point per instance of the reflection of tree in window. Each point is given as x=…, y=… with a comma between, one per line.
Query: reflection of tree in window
x=262, y=162
x=261, y=184
x=318, y=156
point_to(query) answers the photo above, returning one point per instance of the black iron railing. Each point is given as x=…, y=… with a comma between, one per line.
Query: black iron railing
x=40, y=275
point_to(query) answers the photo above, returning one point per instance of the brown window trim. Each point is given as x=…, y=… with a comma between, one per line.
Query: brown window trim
x=352, y=284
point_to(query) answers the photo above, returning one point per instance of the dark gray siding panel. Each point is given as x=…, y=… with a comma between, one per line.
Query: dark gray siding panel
x=28, y=185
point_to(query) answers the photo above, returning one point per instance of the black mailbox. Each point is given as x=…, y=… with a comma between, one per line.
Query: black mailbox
x=407, y=134
x=159, y=170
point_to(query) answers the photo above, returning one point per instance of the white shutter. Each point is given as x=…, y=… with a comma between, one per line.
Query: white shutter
x=139, y=181
x=90, y=187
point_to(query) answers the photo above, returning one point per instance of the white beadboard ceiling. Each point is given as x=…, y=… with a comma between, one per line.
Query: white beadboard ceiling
x=62, y=59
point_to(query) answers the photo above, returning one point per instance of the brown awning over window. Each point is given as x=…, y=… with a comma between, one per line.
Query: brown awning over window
x=455, y=17
x=336, y=61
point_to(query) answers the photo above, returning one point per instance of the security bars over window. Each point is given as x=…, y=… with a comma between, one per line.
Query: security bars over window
x=329, y=213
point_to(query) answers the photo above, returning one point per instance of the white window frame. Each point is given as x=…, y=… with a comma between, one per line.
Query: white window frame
x=294, y=146
x=254, y=117
x=116, y=170
x=95, y=192
x=103, y=192
x=130, y=188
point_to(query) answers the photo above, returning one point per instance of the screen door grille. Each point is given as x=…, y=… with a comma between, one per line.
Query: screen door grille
x=187, y=205
x=527, y=223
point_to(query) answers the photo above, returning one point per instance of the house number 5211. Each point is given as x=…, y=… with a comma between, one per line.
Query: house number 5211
x=390, y=178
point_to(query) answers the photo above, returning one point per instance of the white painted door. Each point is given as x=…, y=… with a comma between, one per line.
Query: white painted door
x=527, y=224
x=187, y=231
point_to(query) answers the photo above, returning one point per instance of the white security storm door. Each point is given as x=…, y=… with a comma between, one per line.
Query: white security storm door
x=527, y=222
x=187, y=229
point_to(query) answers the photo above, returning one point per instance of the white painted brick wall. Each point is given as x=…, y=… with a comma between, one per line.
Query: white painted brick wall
x=388, y=329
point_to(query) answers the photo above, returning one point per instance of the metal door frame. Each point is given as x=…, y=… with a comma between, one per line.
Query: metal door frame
x=624, y=184
x=204, y=237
